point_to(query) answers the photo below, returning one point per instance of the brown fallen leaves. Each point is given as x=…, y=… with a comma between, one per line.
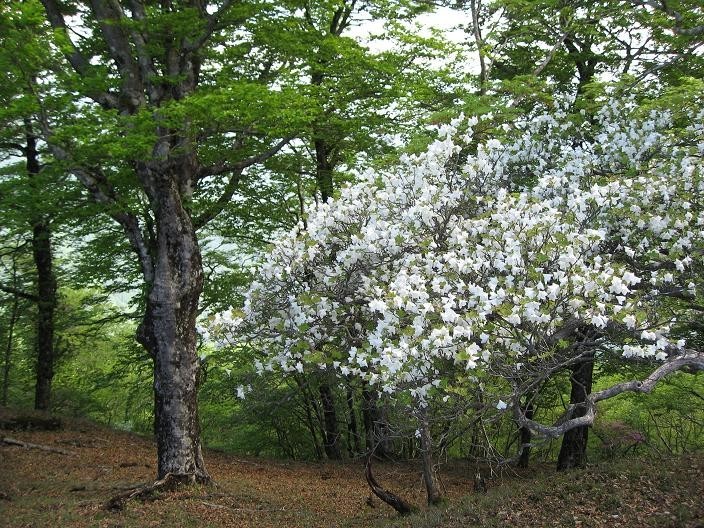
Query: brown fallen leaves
x=43, y=488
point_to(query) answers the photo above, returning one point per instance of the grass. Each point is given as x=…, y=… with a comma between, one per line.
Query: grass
x=636, y=492
x=39, y=488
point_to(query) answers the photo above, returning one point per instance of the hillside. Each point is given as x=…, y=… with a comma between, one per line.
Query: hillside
x=47, y=488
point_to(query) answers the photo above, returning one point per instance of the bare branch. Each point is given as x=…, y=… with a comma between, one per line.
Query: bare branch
x=688, y=360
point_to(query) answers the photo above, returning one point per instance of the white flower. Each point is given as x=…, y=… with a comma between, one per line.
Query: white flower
x=629, y=321
x=377, y=305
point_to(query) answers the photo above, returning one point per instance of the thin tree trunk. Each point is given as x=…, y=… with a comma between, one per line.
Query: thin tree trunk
x=331, y=433
x=308, y=402
x=376, y=433
x=7, y=360
x=573, y=451
x=390, y=498
x=525, y=435
x=353, y=446
x=430, y=479
x=46, y=289
x=168, y=332
x=475, y=8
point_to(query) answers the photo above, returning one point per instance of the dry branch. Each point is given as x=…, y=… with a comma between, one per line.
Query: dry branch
x=252, y=510
x=13, y=441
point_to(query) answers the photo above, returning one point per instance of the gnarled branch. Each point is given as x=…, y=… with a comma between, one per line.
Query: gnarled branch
x=688, y=359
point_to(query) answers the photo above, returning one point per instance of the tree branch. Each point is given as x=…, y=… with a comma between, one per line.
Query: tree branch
x=236, y=169
x=212, y=25
x=19, y=293
x=101, y=190
x=224, y=167
x=539, y=69
x=76, y=59
x=691, y=360
x=14, y=146
x=144, y=58
x=111, y=18
x=677, y=28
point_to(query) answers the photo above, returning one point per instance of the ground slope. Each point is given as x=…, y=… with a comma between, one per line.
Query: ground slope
x=41, y=488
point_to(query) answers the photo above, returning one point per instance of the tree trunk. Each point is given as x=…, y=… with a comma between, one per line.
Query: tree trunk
x=430, y=479
x=390, y=498
x=375, y=430
x=353, y=446
x=7, y=360
x=573, y=451
x=168, y=332
x=331, y=433
x=46, y=289
x=323, y=169
x=46, y=305
x=525, y=436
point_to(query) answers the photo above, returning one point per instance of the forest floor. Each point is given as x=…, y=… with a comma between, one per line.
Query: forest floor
x=40, y=488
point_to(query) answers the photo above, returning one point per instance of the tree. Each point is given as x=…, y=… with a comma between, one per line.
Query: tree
x=26, y=212
x=357, y=102
x=144, y=144
x=566, y=45
x=514, y=262
x=177, y=105
x=533, y=50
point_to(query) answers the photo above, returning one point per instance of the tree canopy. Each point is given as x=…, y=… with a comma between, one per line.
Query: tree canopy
x=405, y=226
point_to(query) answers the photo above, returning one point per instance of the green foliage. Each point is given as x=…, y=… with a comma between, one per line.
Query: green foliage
x=292, y=70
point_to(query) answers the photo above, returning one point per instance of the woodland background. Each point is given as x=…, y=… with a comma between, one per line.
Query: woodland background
x=256, y=111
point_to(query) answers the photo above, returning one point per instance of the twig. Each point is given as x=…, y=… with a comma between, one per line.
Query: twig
x=254, y=510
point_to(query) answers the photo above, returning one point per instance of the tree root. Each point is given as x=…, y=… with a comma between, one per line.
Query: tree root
x=169, y=483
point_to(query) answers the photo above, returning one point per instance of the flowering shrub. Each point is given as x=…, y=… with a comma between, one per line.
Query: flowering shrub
x=492, y=258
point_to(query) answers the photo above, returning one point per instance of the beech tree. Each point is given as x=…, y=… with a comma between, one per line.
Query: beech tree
x=141, y=138
x=552, y=45
x=571, y=236
x=164, y=113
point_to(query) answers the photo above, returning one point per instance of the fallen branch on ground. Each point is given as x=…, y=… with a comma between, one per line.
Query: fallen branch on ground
x=13, y=441
x=254, y=510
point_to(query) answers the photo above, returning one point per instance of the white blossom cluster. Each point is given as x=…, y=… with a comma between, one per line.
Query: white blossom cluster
x=468, y=255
